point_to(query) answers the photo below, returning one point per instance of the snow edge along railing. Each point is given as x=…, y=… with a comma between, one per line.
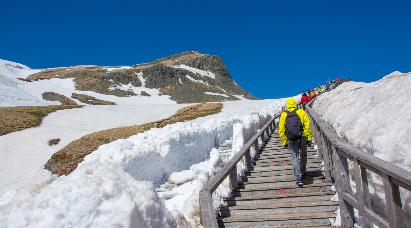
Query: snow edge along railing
x=208, y=213
x=335, y=153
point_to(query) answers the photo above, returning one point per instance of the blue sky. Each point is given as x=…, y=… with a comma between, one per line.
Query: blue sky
x=272, y=48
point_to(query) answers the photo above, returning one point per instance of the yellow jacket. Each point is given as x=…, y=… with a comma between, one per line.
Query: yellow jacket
x=291, y=105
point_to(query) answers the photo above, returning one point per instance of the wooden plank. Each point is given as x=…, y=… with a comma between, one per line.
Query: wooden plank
x=305, y=194
x=281, y=217
x=307, y=203
x=393, y=202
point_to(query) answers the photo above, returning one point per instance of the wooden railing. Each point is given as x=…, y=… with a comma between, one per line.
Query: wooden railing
x=342, y=162
x=208, y=212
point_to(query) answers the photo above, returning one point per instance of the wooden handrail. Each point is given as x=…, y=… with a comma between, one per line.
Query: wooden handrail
x=208, y=213
x=336, y=153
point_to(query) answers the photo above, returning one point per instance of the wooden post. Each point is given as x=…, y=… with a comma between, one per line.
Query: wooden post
x=327, y=152
x=360, y=195
x=247, y=160
x=233, y=178
x=342, y=178
x=256, y=148
x=393, y=202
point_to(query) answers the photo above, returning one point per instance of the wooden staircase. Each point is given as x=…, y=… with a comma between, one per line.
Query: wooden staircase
x=269, y=197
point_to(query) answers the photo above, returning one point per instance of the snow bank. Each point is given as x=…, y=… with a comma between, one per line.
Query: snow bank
x=116, y=185
x=373, y=116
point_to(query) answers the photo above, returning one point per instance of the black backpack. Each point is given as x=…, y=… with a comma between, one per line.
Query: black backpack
x=293, y=126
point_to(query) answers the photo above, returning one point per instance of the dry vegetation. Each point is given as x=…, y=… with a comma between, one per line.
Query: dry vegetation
x=90, y=100
x=66, y=160
x=19, y=118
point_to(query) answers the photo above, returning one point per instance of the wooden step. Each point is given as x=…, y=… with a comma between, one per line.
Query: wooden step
x=310, y=172
x=276, y=167
x=308, y=203
x=281, y=185
x=278, y=196
x=292, y=217
x=317, y=223
x=232, y=202
x=281, y=163
x=275, y=192
x=278, y=179
x=285, y=173
x=283, y=210
x=264, y=160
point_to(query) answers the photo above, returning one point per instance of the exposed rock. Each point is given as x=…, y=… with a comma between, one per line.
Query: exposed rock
x=90, y=100
x=144, y=93
x=51, y=96
x=53, y=142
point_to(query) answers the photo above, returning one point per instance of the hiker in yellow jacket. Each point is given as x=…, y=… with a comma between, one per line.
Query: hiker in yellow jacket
x=295, y=134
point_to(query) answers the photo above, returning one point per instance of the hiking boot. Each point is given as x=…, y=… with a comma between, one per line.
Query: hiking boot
x=304, y=174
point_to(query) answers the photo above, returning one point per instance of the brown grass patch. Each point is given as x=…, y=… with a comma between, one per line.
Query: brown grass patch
x=19, y=118
x=90, y=100
x=66, y=160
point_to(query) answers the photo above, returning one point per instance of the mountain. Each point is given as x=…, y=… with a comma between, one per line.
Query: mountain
x=187, y=77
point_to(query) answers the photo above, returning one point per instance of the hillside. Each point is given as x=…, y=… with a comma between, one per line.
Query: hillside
x=183, y=78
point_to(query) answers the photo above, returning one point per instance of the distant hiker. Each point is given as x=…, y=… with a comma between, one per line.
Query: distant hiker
x=304, y=99
x=313, y=94
x=295, y=134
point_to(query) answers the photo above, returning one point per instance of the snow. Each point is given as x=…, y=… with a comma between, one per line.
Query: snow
x=122, y=183
x=10, y=92
x=216, y=94
x=23, y=160
x=374, y=116
x=241, y=97
x=109, y=69
x=196, y=71
x=195, y=80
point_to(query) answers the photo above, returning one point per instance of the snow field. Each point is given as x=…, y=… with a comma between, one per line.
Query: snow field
x=116, y=185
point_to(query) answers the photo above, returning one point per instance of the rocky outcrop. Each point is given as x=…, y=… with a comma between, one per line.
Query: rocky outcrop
x=186, y=77
x=51, y=96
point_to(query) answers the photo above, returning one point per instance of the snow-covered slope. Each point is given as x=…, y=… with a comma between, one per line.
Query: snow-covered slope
x=11, y=93
x=116, y=185
x=373, y=116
